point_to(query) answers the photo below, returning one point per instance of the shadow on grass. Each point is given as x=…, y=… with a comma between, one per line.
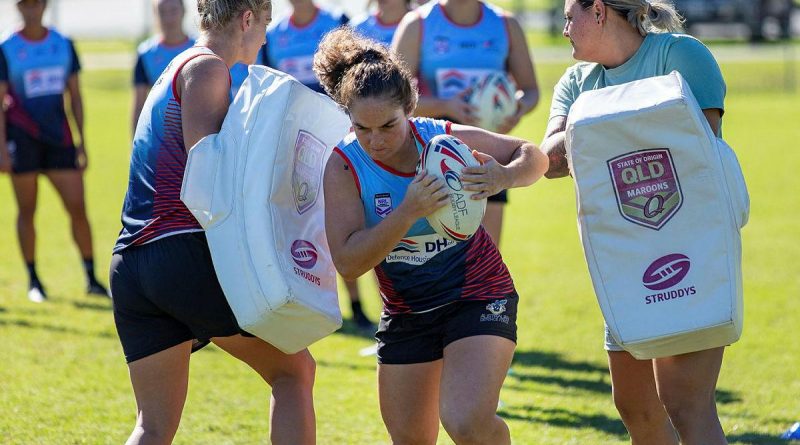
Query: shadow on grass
x=757, y=439
x=344, y=365
x=598, y=386
x=554, y=360
x=564, y=418
x=103, y=307
x=56, y=329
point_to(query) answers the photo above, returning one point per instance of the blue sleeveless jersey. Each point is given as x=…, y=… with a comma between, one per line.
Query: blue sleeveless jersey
x=37, y=74
x=371, y=26
x=239, y=72
x=424, y=271
x=153, y=208
x=153, y=57
x=453, y=57
x=291, y=48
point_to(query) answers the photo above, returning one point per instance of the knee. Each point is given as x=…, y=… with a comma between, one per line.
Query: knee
x=25, y=214
x=160, y=431
x=634, y=412
x=467, y=427
x=298, y=369
x=76, y=210
x=685, y=410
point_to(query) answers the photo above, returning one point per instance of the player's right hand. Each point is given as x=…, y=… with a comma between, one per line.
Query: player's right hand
x=425, y=195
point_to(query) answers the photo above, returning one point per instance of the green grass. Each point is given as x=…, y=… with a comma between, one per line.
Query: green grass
x=63, y=379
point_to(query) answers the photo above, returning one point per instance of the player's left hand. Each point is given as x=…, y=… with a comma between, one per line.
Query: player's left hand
x=80, y=157
x=489, y=178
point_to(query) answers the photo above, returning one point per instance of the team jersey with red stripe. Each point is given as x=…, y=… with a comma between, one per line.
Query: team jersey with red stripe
x=153, y=208
x=454, y=57
x=424, y=271
x=37, y=72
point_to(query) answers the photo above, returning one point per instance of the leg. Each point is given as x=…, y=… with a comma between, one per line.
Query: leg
x=635, y=396
x=160, y=382
x=25, y=191
x=409, y=396
x=292, y=380
x=686, y=385
x=493, y=220
x=69, y=185
x=361, y=320
x=474, y=370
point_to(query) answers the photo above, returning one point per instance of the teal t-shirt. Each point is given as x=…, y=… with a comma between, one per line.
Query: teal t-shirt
x=660, y=54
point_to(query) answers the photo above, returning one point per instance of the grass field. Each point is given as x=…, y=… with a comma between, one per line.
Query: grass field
x=63, y=379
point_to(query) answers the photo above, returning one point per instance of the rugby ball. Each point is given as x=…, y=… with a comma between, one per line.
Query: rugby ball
x=444, y=156
x=495, y=100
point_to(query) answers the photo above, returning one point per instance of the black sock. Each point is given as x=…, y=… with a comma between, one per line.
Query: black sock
x=88, y=267
x=34, y=279
x=356, y=307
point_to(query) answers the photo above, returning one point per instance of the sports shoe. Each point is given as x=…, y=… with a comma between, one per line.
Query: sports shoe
x=792, y=433
x=36, y=293
x=95, y=288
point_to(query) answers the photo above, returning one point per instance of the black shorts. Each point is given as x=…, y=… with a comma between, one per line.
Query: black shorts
x=418, y=338
x=165, y=293
x=501, y=197
x=31, y=155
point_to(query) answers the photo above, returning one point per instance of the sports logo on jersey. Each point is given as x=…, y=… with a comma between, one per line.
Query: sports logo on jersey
x=441, y=44
x=453, y=81
x=496, y=309
x=406, y=245
x=44, y=81
x=383, y=204
x=417, y=250
x=647, y=187
x=307, y=174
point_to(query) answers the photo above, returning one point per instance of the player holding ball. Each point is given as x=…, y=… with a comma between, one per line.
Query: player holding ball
x=448, y=324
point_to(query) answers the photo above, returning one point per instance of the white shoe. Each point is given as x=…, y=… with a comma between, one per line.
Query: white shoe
x=35, y=295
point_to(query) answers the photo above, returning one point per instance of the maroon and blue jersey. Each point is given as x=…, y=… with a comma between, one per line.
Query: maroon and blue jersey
x=291, y=48
x=424, y=271
x=37, y=74
x=454, y=57
x=153, y=56
x=371, y=26
x=153, y=208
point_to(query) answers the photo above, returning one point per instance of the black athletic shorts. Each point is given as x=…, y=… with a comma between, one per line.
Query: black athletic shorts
x=500, y=197
x=165, y=293
x=31, y=155
x=418, y=338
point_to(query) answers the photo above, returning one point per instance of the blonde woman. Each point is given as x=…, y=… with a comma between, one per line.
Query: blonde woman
x=670, y=399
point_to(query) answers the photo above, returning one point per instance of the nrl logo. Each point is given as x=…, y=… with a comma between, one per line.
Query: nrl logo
x=646, y=186
x=383, y=204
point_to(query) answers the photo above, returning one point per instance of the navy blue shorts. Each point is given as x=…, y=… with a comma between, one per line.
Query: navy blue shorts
x=32, y=155
x=419, y=338
x=165, y=293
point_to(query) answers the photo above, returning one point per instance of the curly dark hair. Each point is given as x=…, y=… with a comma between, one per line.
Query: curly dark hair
x=350, y=66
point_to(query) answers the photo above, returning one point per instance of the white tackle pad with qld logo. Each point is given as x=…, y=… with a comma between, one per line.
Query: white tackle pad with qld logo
x=256, y=188
x=660, y=202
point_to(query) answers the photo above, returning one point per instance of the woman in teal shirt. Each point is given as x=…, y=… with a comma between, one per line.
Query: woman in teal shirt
x=618, y=41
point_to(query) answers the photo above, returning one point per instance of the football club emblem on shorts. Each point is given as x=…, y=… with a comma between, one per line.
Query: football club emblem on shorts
x=383, y=204
x=646, y=186
x=496, y=309
x=307, y=174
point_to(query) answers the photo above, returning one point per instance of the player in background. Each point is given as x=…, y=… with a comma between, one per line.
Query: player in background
x=155, y=53
x=452, y=44
x=37, y=66
x=381, y=24
x=448, y=330
x=666, y=400
x=166, y=294
x=292, y=40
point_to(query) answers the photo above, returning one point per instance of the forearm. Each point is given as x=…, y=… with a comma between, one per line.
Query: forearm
x=76, y=105
x=555, y=149
x=366, y=248
x=527, y=165
x=528, y=101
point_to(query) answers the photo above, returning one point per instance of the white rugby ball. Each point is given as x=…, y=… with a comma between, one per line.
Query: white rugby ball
x=444, y=157
x=495, y=99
